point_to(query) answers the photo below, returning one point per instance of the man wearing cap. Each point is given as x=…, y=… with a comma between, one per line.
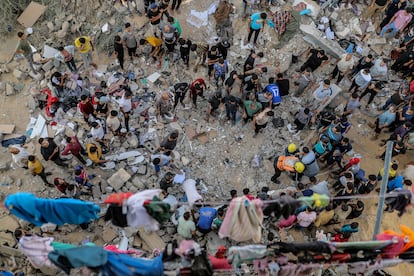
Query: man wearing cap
x=289, y=164
x=223, y=47
x=154, y=14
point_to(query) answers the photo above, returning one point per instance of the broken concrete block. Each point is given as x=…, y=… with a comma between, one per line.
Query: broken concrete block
x=138, y=183
x=37, y=76
x=118, y=179
x=176, y=126
x=142, y=169
x=185, y=160
x=19, y=74
x=150, y=146
x=109, y=234
x=8, y=223
x=153, y=240
x=18, y=87
x=315, y=37
x=133, y=141
x=9, y=89
x=48, y=66
x=50, y=26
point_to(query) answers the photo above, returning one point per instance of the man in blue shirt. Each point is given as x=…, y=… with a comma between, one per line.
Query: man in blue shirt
x=273, y=89
x=256, y=23
x=207, y=215
x=395, y=183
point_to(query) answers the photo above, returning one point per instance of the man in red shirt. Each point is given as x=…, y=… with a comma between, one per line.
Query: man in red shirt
x=86, y=107
x=75, y=148
x=197, y=89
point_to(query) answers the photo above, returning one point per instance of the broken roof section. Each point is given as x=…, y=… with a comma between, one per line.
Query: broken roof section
x=31, y=14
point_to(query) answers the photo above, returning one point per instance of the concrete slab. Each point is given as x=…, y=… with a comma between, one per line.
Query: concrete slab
x=124, y=155
x=151, y=239
x=118, y=179
x=316, y=38
x=31, y=14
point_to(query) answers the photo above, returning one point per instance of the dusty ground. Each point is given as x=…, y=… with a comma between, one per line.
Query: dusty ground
x=14, y=110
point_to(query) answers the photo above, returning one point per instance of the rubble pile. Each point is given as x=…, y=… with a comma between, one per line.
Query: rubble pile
x=220, y=156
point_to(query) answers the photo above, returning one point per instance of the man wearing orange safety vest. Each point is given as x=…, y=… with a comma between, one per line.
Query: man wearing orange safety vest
x=289, y=164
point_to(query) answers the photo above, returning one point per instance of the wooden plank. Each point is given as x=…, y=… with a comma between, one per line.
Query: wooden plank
x=31, y=14
x=7, y=129
x=151, y=239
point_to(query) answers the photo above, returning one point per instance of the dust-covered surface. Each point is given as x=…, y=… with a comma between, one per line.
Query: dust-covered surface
x=222, y=155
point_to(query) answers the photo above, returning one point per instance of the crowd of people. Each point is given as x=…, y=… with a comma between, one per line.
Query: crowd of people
x=242, y=96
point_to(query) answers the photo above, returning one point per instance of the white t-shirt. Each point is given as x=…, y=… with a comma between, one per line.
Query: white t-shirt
x=344, y=65
x=125, y=104
x=321, y=92
x=98, y=132
x=113, y=122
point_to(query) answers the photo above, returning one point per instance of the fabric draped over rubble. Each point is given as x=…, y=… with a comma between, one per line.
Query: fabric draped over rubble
x=243, y=220
x=58, y=211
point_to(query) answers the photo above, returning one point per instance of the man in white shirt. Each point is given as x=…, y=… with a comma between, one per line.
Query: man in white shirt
x=343, y=66
x=98, y=133
x=380, y=70
x=113, y=123
x=125, y=104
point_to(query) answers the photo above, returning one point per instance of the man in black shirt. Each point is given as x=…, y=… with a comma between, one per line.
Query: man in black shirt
x=180, y=89
x=154, y=14
x=363, y=63
x=185, y=45
x=232, y=105
x=213, y=105
x=249, y=63
x=315, y=59
x=223, y=47
x=119, y=51
x=231, y=80
x=50, y=151
x=169, y=143
x=283, y=85
x=213, y=56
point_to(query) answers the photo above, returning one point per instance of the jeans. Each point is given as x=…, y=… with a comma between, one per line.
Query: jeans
x=390, y=26
x=87, y=59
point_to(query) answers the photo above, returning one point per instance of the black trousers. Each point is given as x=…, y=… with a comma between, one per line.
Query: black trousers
x=256, y=35
x=43, y=176
x=339, y=73
x=179, y=97
x=257, y=127
x=176, y=4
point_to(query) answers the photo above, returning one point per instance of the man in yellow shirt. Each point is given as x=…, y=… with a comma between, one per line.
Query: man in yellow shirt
x=153, y=44
x=85, y=47
x=36, y=168
x=95, y=153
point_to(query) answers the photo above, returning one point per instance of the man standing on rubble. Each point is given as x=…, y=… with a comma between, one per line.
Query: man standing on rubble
x=315, y=59
x=197, y=89
x=222, y=16
x=85, y=47
x=23, y=47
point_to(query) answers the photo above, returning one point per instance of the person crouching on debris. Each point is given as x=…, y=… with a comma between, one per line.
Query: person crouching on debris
x=289, y=164
x=164, y=105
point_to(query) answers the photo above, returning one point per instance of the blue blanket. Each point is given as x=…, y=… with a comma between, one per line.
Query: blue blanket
x=58, y=211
